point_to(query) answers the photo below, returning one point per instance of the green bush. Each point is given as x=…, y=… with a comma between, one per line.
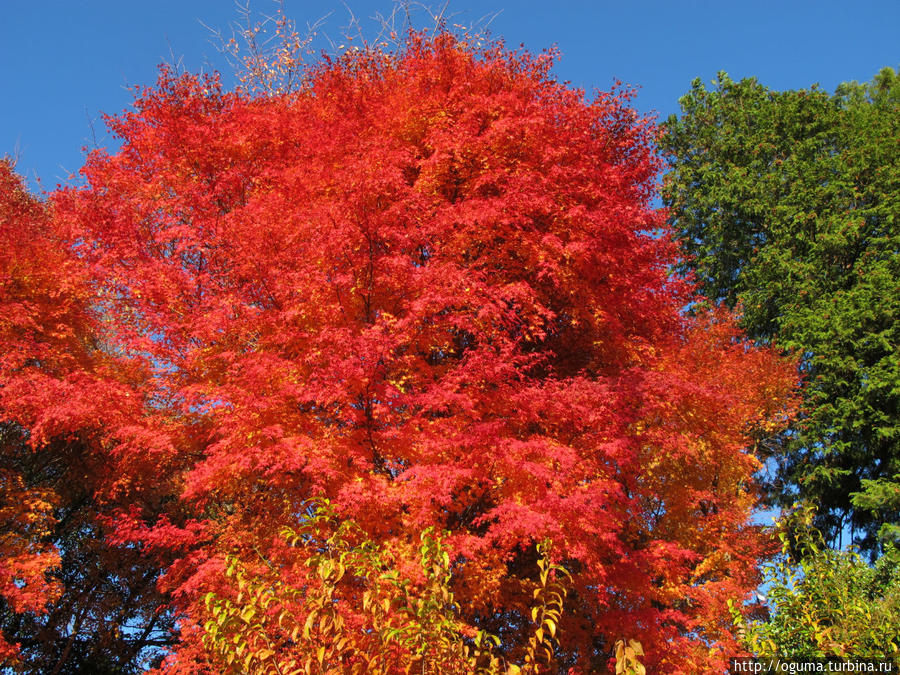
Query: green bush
x=826, y=603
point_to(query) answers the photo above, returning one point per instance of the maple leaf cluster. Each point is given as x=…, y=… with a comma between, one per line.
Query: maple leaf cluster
x=429, y=286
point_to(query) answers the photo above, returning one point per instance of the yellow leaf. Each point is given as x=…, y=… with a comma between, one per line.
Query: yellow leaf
x=308, y=625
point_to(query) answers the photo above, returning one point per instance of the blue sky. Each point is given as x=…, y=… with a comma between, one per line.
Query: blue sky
x=64, y=62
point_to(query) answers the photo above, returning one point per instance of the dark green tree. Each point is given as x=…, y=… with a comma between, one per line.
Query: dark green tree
x=788, y=206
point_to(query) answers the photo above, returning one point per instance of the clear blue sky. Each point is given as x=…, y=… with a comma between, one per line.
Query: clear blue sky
x=64, y=62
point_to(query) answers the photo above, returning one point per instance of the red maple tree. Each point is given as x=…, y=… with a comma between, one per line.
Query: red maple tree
x=429, y=286
x=62, y=388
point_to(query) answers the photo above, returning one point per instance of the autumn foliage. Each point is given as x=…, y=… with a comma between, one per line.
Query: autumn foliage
x=428, y=286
